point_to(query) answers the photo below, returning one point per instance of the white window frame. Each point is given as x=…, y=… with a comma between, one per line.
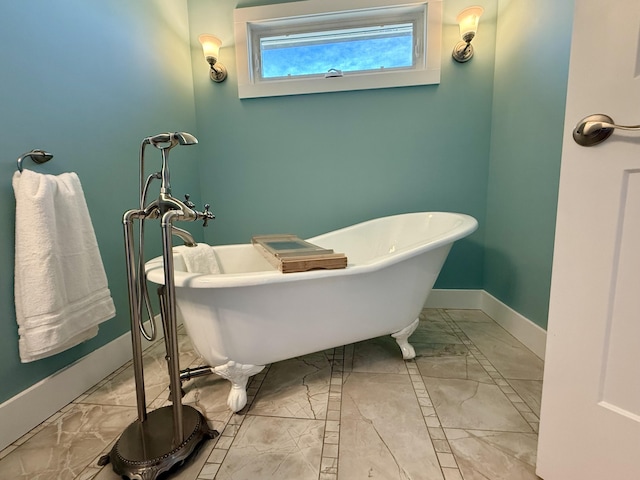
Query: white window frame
x=252, y=22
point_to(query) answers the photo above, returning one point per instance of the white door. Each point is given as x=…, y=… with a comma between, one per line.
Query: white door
x=590, y=416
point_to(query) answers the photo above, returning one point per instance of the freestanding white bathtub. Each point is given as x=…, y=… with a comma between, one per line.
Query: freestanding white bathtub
x=251, y=314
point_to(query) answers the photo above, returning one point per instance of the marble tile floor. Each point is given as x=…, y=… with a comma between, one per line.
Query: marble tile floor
x=466, y=407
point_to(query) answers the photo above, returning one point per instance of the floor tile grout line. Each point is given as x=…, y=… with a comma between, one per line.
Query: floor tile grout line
x=93, y=464
x=329, y=464
x=497, y=378
x=439, y=441
x=218, y=455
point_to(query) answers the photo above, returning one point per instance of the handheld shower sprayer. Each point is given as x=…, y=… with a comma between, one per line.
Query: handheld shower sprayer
x=173, y=139
x=165, y=142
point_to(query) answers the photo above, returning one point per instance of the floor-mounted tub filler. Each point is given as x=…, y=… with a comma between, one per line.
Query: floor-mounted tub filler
x=161, y=440
x=250, y=314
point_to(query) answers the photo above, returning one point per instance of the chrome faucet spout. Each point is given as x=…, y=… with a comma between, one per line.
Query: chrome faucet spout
x=186, y=236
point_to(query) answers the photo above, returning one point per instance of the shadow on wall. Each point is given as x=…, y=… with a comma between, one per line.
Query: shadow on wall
x=466, y=255
x=502, y=277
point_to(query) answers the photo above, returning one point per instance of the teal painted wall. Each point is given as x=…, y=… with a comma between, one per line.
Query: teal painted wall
x=309, y=164
x=532, y=61
x=87, y=81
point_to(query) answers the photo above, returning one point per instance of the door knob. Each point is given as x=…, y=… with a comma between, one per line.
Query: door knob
x=595, y=129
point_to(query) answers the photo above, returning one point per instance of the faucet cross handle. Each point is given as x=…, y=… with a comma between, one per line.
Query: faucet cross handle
x=207, y=215
x=188, y=202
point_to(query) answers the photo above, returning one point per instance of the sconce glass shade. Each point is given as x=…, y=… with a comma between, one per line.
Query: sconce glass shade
x=210, y=46
x=211, y=49
x=468, y=21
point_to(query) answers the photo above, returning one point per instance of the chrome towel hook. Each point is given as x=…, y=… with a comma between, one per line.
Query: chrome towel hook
x=595, y=129
x=37, y=155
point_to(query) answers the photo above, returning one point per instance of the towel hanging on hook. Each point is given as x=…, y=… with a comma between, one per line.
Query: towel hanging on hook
x=37, y=155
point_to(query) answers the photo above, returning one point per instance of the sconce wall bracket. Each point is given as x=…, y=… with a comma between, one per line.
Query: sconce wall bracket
x=218, y=72
x=462, y=52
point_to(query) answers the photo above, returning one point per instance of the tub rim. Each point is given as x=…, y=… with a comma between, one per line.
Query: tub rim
x=466, y=226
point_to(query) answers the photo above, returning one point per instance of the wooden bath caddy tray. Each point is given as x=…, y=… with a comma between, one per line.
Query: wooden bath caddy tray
x=291, y=254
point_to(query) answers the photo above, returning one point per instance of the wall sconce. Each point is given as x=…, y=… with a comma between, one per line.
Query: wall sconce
x=211, y=49
x=468, y=21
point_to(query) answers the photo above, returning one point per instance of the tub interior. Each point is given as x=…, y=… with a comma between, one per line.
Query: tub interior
x=381, y=237
x=241, y=259
x=364, y=243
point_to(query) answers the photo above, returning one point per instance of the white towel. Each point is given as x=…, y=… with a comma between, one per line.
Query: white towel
x=61, y=291
x=199, y=259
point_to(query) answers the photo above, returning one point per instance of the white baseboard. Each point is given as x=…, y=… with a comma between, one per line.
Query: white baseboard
x=531, y=335
x=54, y=392
x=32, y=406
x=461, y=299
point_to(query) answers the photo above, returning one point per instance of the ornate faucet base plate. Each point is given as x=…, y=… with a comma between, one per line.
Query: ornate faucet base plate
x=146, y=449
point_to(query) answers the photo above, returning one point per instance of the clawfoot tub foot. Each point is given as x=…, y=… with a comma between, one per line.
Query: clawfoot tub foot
x=402, y=338
x=238, y=374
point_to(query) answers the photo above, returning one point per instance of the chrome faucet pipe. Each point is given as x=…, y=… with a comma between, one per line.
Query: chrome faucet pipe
x=166, y=202
x=170, y=324
x=165, y=175
x=135, y=310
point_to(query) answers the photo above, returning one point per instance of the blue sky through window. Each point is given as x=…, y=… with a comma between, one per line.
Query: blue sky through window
x=392, y=49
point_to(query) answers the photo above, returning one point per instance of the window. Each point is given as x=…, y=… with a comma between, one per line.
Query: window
x=357, y=49
x=325, y=46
